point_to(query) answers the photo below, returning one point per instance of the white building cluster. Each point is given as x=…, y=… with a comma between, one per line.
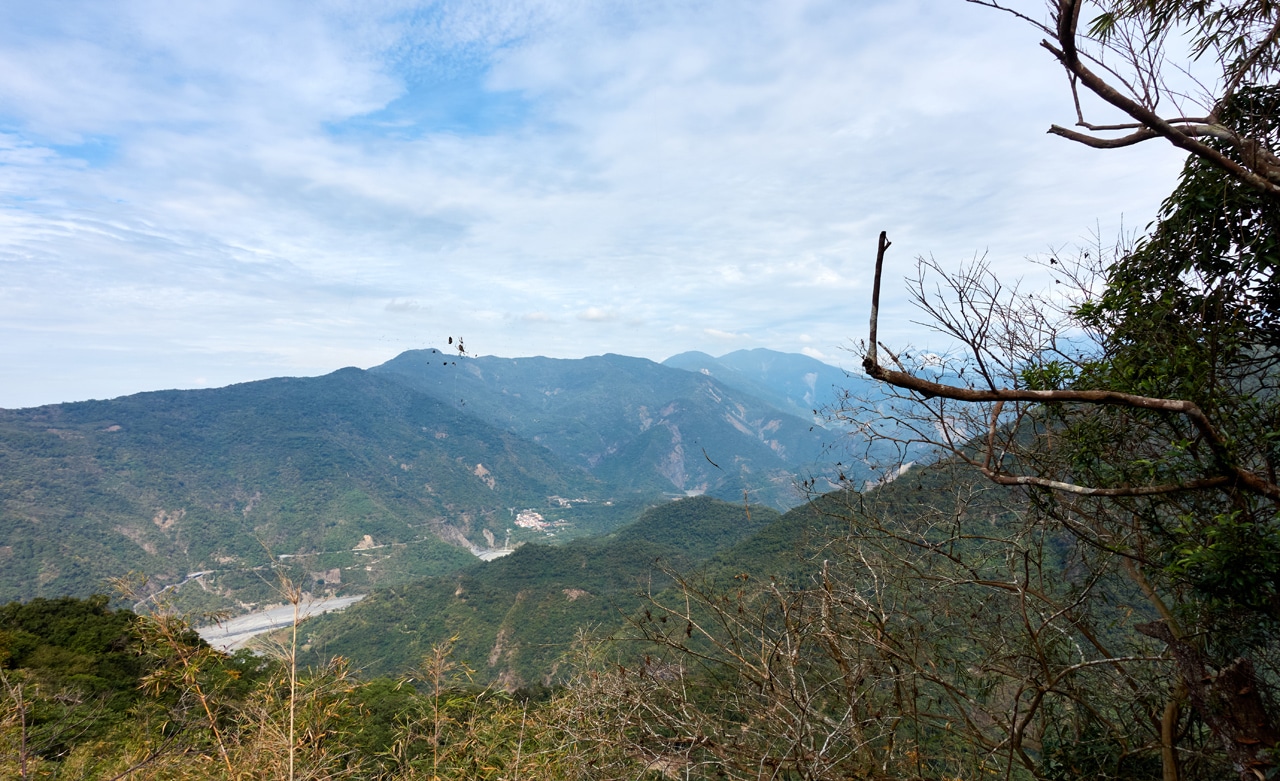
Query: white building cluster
x=529, y=519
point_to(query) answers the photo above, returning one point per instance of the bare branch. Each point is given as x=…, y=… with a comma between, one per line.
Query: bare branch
x=1143, y=490
x=1136, y=125
x=1186, y=409
x=1066, y=52
x=1145, y=134
x=875, y=293
x=1259, y=166
x=1232, y=474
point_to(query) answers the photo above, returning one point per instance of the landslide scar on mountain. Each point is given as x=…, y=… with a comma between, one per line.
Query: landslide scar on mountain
x=499, y=644
x=135, y=536
x=166, y=520
x=484, y=475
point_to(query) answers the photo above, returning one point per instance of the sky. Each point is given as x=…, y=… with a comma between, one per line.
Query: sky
x=197, y=194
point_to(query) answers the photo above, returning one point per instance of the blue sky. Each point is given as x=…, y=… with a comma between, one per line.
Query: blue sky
x=194, y=194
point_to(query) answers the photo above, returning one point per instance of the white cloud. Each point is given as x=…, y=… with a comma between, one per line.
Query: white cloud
x=594, y=314
x=716, y=333
x=404, y=305
x=268, y=186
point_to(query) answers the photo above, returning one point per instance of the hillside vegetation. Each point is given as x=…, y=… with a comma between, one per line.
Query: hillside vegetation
x=705, y=638
x=512, y=620
x=363, y=479
x=177, y=482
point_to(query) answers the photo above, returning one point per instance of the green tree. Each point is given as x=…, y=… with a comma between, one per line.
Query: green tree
x=1153, y=441
x=1140, y=408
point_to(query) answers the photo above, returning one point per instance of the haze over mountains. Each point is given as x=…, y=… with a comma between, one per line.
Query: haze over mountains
x=795, y=383
x=366, y=478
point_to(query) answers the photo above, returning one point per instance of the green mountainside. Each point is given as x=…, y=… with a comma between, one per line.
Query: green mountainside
x=771, y=594
x=361, y=479
x=178, y=482
x=514, y=618
x=632, y=422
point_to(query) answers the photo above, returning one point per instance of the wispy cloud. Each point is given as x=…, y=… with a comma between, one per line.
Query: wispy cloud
x=594, y=314
x=406, y=305
x=268, y=188
x=724, y=336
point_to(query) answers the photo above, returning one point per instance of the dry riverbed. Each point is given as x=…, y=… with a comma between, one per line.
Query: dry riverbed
x=235, y=632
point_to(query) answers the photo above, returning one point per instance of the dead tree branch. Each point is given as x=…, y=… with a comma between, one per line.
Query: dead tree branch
x=1231, y=474
x=1137, y=94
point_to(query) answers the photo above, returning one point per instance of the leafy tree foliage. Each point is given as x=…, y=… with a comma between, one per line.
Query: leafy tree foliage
x=1141, y=409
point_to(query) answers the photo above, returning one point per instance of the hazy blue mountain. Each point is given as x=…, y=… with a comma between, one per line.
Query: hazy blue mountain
x=809, y=387
x=795, y=383
x=631, y=422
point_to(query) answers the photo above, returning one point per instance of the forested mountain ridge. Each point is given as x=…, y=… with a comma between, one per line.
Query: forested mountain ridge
x=175, y=482
x=512, y=621
x=364, y=478
x=632, y=422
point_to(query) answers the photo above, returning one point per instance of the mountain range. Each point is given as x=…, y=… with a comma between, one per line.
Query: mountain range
x=366, y=478
x=633, y=423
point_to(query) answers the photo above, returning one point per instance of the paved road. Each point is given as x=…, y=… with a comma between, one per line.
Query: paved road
x=235, y=632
